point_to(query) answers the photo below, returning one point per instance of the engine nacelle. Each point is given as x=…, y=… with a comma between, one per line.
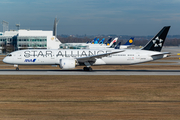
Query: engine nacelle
x=67, y=63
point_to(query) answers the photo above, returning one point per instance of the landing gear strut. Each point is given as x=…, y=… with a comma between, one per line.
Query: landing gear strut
x=87, y=69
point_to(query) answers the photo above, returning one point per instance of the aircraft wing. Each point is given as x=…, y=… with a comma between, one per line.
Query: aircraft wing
x=94, y=57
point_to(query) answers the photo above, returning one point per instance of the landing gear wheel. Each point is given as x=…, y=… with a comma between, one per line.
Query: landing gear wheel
x=90, y=69
x=84, y=68
x=87, y=69
x=17, y=69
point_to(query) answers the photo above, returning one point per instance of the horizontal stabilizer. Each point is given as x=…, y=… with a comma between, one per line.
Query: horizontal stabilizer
x=159, y=54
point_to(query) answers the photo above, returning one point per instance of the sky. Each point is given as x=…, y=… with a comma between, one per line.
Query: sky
x=93, y=17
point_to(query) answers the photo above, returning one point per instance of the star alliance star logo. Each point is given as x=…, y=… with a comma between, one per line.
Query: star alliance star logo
x=157, y=42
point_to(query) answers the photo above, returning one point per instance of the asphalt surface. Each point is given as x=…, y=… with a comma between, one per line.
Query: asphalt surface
x=94, y=72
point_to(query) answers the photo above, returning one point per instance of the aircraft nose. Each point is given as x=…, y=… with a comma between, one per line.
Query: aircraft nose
x=7, y=60
x=4, y=60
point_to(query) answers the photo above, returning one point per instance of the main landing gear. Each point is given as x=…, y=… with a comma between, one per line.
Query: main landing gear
x=87, y=69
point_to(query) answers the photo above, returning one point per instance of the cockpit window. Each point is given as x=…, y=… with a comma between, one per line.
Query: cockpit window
x=9, y=55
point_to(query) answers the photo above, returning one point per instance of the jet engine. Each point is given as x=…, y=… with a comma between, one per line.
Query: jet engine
x=67, y=63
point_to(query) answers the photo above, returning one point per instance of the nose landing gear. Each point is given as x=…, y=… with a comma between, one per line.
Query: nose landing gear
x=17, y=69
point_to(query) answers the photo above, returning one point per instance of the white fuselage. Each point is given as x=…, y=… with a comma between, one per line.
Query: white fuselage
x=52, y=57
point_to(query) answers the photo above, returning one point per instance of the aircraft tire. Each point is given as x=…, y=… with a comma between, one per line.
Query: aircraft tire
x=17, y=69
x=85, y=68
x=89, y=69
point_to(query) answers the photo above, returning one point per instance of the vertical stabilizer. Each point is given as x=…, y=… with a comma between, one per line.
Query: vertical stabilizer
x=101, y=42
x=157, y=42
x=115, y=40
x=108, y=41
x=92, y=42
x=130, y=41
x=118, y=45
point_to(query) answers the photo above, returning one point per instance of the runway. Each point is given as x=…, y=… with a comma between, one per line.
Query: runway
x=94, y=72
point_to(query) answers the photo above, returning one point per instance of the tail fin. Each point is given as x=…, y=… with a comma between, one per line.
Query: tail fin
x=113, y=45
x=108, y=41
x=118, y=45
x=130, y=41
x=96, y=42
x=157, y=42
x=101, y=42
x=92, y=42
x=115, y=40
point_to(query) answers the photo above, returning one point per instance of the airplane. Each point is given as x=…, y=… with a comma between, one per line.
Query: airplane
x=101, y=42
x=101, y=46
x=97, y=41
x=88, y=46
x=70, y=58
x=114, y=44
x=128, y=43
x=108, y=42
x=118, y=45
x=92, y=42
x=87, y=42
